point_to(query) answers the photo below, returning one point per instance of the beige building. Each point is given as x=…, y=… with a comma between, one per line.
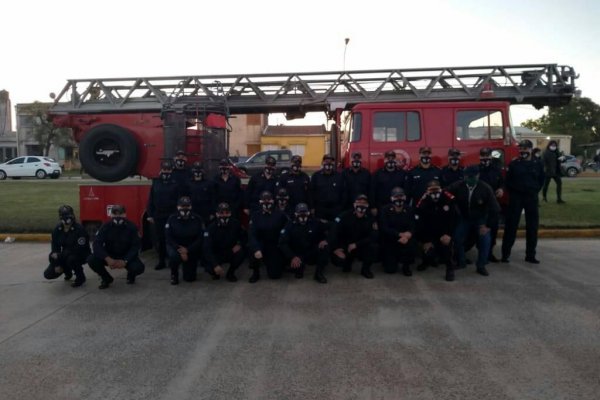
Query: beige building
x=541, y=140
x=246, y=129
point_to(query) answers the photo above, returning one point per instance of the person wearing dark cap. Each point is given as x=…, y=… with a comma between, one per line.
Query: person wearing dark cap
x=296, y=182
x=479, y=210
x=181, y=174
x=397, y=226
x=327, y=191
x=224, y=244
x=183, y=233
x=452, y=172
x=265, y=181
x=303, y=242
x=491, y=173
x=552, y=160
x=228, y=188
x=384, y=180
x=117, y=245
x=357, y=179
x=70, y=248
x=265, y=226
x=524, y=180
x=418, y=177
x=202, y=193
x=353, y=236
x=282, y=203
x=162, y=202
x=437, y=217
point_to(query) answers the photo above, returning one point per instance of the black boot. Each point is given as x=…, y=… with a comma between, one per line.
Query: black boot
x=130, y=279
x=106, y=281
x=532, y=260
x=255, y=276
x=79, y=280
x=230, y=276
x=160, y=265
x=366, y=272
x=449, y=273
x=174, y=278
x=319, y=277
x=482, y=271
x=68, y=275
x=406, y=270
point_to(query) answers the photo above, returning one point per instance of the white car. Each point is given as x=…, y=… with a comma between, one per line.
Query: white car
x=37, y=166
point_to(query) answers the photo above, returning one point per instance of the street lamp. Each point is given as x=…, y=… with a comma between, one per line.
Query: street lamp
x=345, y=47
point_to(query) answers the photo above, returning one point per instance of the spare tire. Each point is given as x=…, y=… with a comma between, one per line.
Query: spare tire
x=108, y=153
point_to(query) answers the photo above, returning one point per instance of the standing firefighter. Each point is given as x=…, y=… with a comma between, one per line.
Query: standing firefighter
x=551, y=159
x=327, y=191
x=184, y=241
x=452, y=172
x=357, y=180
x=70, y=248
x=384, y=180
x=491, y=173
x=303, y=242
x=117, y=245
x=181, y=174
x=296, y=182
x=202, y=193
x=418, y=177
x=265, y=181
x=228, y=188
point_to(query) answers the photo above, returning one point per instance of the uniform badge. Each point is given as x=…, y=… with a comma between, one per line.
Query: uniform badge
x=446, y=208
x=282, y=231
x=337, y=219
x=81, y=241
x=416, y=216
x=205, y=234
x=167, y=226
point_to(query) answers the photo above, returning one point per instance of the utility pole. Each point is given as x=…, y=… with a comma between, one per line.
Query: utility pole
x=345, y=47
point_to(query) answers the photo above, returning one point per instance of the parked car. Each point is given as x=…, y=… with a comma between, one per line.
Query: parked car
x=256, y=162
x=570, y=166
x=34, y=166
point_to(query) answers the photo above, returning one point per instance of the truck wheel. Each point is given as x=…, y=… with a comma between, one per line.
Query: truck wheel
x=108, y=153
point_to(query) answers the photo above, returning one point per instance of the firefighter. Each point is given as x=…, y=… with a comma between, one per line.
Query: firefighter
x=524, y=180
x=437, y=217
x=265, y=181
x=327, y=191
x=181, y=174
x=303, y=241
x=228, y=187
x=357, y=179
x=478, y=209
x=397, y=226
x=69, y=249
x=282, y=203
x=353, y=236
x=265, y=226
x=161, y=204
x=418, y=177
x=384, y=180
x=117, y=245
x=551, y=160
x=183, y=233
x=202, y=193
x=453, y=171
x=223, y=243
x=491, y=173
x=296, y=182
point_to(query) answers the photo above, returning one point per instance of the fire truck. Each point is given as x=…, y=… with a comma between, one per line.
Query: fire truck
x=125, y=126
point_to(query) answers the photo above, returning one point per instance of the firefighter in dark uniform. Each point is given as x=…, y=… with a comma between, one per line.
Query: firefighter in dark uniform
x=491, y=173
x=524, y=180
x=296, y=182
x=356, y=179
x=303, y=241
x=353, y=236
x=282, y=203
x=161, y=204
x=418, y=177
x=384, y=180
x=437, y=217
x=181, y=174
x=452, y=172
x=117, y=245
x=397, y=227
x=228, y=188
x=184, y=241
x=479, y=210
x=263, y=241
x=552, y=160
x=265, y=181
x=202, y=193
x=224, y=243
x=327, y=191
x=69, y=249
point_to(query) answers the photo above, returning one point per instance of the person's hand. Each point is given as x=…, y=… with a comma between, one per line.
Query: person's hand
x=483, y=230
x=323, y=244
x=54, y=256
x=296, y=262
x=499, y=193
x=150, y=219
x=404, y=237
x=351, y=247
x=247, y=211
x=58, y=270
x=182, y=250
x=119, y=264
x=218, y=270
x=445, y=239
x=236, y=248
x=427, y=246
x=340, y=253
x=374, y=212
x=258, y=254
x=110, y=261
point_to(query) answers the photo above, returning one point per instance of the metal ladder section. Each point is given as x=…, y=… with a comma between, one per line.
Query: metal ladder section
x=536, y=84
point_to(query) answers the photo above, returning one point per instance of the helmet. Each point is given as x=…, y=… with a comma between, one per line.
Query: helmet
x=485, y=152
x=302, y=208
x=166, y=165
x=397, y=191
x=453, y=152
x=425, y=149
x=390, y=154
x=356, y=155
x=270, y=161
x=526, y=144
x=117, y=209
x=296, y=159
x=184, y=201
x=223, y=207
x=65, y=210
x=266, y=195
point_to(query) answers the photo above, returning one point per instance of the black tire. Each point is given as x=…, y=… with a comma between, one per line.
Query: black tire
x=54, y=176
x=41, y=174
x=109, y=153
x=572, y=172
x=2, y=175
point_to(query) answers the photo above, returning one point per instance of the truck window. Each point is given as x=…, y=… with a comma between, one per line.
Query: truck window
x=394, y=126
x=355, y=127
x=479, y=125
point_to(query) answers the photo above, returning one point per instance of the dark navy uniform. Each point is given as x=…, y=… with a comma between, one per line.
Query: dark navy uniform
x=356, y=182
x=417, y=180
x=202, y=193
x=449, y=175
x=119, y=241
x=187, y=233
x=524, y=179
x=491, y=174
x=162, y=202
x=382, y=184
x=182, y=176
x=350, y=229
x=219, y=240
x=264, y=230
x=302, y=241
x=72, y=246
x=258, y=184
x=392, y=223
x=229, y=191
x=327, y=192
x=297, y=186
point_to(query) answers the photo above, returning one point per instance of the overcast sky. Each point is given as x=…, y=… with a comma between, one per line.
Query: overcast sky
x=47, y=42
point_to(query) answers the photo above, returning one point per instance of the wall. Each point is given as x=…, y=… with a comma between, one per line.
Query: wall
x=314, y=147
x=244, y=138
x=5, y=113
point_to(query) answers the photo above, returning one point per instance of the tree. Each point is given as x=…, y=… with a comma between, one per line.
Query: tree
x=580, y=119
x=44, y=131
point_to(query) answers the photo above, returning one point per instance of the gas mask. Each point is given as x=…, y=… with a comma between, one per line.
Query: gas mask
x=524, y=154
x=118, y=220
x=356, y=164
x=390, y=165
x=67, y=219
x=184, y=212
x=425, y=159
x=224, y=170
x=485, y=162
x=328, y=167
x=282, y=201
x=223, y=219
x=179, y=163
x=360, y=209
x=454, y=161
x=398, y=201
x=435, y=196
x=266, y=205
x=302, y=218
x=198, y=175
x=471, y=180
x=165, y=176
x=269, y=171
x=296, y=168
x=552, y=148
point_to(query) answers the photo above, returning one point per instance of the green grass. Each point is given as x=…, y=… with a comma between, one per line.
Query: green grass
x=30, y=205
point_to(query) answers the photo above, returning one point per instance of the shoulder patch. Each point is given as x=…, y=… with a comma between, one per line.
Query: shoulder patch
x=81, y=241
x=205, y=234
x=337, y=219
x=167, y=226
x=282, y=231
x=416, y=216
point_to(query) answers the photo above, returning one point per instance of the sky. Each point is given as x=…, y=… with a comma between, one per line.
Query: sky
x=45, y=43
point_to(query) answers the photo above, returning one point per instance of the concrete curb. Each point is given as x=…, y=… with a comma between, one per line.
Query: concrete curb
x=543, y=234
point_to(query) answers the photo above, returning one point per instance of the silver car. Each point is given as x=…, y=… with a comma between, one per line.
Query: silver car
x=34, y=166
x=570, y=166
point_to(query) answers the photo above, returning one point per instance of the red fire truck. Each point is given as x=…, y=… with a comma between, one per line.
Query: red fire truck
x=125, y=126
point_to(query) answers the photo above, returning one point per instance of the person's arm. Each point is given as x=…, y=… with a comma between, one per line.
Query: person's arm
x=493, y=208
x=253, y=239
x=170, y=239
x=151, y=205
x=136, y=244
x=98, y=246
x=55, y=246
x=284, y=242
x=196, y=245
x=207, y=248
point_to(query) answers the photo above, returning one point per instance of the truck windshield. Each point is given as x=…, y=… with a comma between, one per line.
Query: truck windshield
x=355, y=127
x=479, y=125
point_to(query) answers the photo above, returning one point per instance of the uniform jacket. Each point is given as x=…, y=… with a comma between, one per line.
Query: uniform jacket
x=356, y=183
x=382, y=183
x=436, y=218
x=348, y=229
x=229, y=191
x=184, y=232
x=75, y=240
x=258, y=184
x=202, y=194
x=448, y=176
x=551, y=163
x=298, y=187
x=392, y=223
x=120, y=242
x=162, y=201
x=264, y=230
x=298, y=240
x=492, y=175
x=220, y=239
x=482, y=206
x=524, y=177
x=327, y=190
x=417, y=180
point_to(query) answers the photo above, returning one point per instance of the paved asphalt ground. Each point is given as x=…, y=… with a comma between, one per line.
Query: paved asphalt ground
x=525, y=332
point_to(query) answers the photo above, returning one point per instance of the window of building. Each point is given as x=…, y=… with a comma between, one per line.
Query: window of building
x=479, y=125
x=396, y=126
x=270, y=147
x=298, y=149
